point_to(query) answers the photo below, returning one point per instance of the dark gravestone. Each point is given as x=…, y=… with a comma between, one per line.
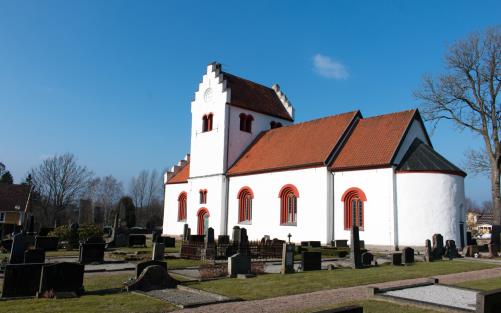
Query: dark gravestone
x=314, y=244
x=158, y=251
x=362, y=244
x=61, y=277
x=46, y=243
x=153, y=277
x=408, y=255
x=243, y=239
x=461, y=235
x=304, y=243
x=7, y=244
x=141, y=266
x=137, y=240
x=169, y=242
x=91, y=253
x=235, y=236
x=489, y=301
x=73, y=240
x=355, y=252
x=341, y=243
x=223, y=239
x=428, y=253
x=287, y=258
x=209, y=239
x=34, y=256
x=367, y=259
x=495, y=235
x=469, y=241
x=239, y=264
x=156, y=236
x=19, y=244
x=396, y=258
x=44, y=231
x=185, y=232
x=344, y=309
x=311, y=261
x=21, y=280
x=438, y=246
x=451, y=250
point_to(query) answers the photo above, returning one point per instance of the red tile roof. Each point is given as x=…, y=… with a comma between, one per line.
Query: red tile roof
x=12, y=195
x=300, y=145
x=255, y=97
x=374, y=141
x=181, y=176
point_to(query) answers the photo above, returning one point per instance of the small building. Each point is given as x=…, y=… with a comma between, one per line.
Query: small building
x=484, y=223
x=15, y=203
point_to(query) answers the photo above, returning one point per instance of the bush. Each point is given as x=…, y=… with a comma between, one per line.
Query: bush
x=62, y=232
x=87, y=231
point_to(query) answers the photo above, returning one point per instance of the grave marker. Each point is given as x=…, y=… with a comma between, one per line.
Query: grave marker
x=158, y=251
x=21, y=280
x=355, y=248
x=408, y=255
x=287, y=258
x=239, y=264
x=61, y=277
x=34, y=256
x=19, y=244
x=311, y=261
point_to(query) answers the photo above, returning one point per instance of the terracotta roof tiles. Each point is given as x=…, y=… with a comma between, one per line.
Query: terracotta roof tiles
x=181, y=176
x=12, y=195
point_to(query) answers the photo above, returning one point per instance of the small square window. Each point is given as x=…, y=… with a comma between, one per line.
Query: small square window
x=2, y=217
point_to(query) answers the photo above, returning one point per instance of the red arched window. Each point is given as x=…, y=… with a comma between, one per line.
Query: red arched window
x=209, y=121
x=288, y=205
x=203, y=196
x=246, y=122
x=203, y=221
x=182, y=207
x=354, y=199
x=245, y=197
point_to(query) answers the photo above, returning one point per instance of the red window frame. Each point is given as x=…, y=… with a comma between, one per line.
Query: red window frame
x=288, y=205
x=245, y=196
x=203, y=196
x=207, y=122
x=354, y=206
x=182, y=207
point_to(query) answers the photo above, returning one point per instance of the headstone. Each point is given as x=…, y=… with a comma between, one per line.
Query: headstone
x=158, y=251
x=438, y=246
x=34, y=256
x=407, y=255
x=19, y=244
x=287, y=258
x=469, y=241
x=169, y=242
x=239, y=264
x=451, y=250
x=153, y=277
x=235, y=236
x=496, y=235
x=73, y=240
x=355, y=254
x=489, y=301
x=137, y=240
x=311, y=261
x=46, y=243
x=396, y=258
x=344, y=309
x=341, y=243
x=156, y=236
x=142, y=265
x=428, y=254
x=185, y=232
x=314, y=244
x=209, y=239
x=223, y=239
x=243, y=242
x=61, y=277
x=91, y=253
x=367, y=259
x=21, y=280
x=470, y=251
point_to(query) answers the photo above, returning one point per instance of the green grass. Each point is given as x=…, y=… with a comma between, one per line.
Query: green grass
x=182, y=263
x=102, y=295
x=274, y=285
x=482, y=284
x=376, y=306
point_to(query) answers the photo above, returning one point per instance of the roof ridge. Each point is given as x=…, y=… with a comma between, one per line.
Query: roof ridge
x=251, y=81
x=316, y=120
x=389, y=114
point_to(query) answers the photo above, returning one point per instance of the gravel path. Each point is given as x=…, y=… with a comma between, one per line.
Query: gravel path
x=333, y=296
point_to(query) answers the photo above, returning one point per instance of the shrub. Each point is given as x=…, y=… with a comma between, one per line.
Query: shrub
x=87, y=231
x=62, y=232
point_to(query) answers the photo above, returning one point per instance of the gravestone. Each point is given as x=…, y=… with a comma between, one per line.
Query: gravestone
x=235, y=235
x=46, y=243
x=137, y=240
x=209, y=239
x=73, y=240
x=287, y=258
x=407, y=255
x=470, y=251
x=489, y=301
x=185, y=232
x=153, y=277
x=156, y=236
x=21, y=280
x=142, y=265
x=355, y=254
x=209, y=250
x=438, y=247
x=243, y=242
x=362, y=245
x=239, y=264
x=367, y=259
x=169, y=242
x=311, y=261
x=496, y=235
x=19, y=244
x=34, y=256
x=312, y=244
x=91, y=253
x=344, y=309
x=396, y=258
x=451, y=250
x=428, y=254
x=158, y=251
x=223, y=239
x=469, y=240
x=341, y=243
x=61, y=277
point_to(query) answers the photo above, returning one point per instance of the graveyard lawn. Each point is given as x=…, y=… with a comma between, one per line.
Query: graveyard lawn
x=377, y=306
x=102, y=295
x=486, y=284
x=275, y=285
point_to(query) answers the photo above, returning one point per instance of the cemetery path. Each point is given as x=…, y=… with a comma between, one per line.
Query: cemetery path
x=317, y=299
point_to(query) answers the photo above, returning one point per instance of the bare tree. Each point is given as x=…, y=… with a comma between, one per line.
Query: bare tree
x=60, y=182
x=467, y=95
x=146, y=192
x=108, y=193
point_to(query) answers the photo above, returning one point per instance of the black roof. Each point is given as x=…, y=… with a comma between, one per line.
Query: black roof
x=422, y=157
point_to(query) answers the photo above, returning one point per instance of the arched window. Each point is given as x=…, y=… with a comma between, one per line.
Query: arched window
x=354, y=199
x=182, y=207
x=203, y=221
x=249, y=123
x=246, y=122
x=288, y=205
x=203, y=196
x=245, y=197
x=207, y=121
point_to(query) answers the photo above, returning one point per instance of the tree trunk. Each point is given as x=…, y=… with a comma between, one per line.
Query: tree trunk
x=496, y=195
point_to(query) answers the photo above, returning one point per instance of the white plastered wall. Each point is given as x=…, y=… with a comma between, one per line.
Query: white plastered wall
x=429, y=203
x=415, y=131
x=311, y=204
x=171, y=226
x=377, y=185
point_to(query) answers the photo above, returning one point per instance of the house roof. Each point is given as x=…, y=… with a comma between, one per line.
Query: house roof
x=12, y=195
x=485, y=218
x=422, y=158
x=300, y=145
x=255, y=97
x=374, y=141
x=181, y=176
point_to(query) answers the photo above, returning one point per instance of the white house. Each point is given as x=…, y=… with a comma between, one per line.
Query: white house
x=251, y=166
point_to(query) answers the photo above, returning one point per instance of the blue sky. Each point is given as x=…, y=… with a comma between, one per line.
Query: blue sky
x=112, y=81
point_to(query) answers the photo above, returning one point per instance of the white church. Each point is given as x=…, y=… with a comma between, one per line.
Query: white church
x=250, y=165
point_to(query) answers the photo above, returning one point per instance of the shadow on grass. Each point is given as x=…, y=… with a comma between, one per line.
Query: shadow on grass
x=102, y=292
